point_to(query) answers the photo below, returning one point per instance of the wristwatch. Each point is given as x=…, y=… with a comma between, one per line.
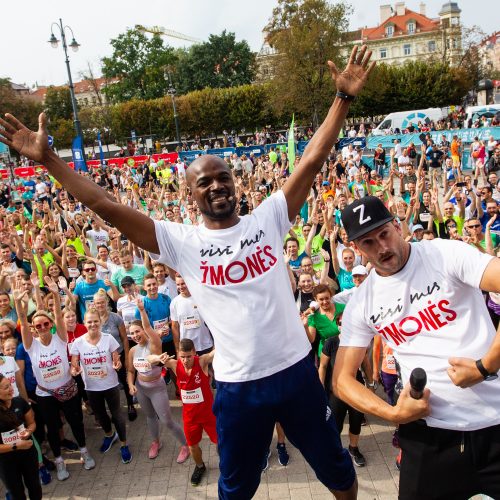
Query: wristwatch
x=343, y=95
x=484, y=372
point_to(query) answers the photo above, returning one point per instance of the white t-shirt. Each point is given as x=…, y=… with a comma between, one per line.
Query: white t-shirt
x=50, y=364
x=238, y=279
x=8, y=368
x=97, y=362
x=191, y=325
x=96, y=238
x=430, y=311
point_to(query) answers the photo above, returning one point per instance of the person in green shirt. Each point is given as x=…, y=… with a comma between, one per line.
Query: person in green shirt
x=128, y=268
x=322, y=322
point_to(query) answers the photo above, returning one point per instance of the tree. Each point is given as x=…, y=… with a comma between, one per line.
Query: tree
x=58, y=103
x=413, y=85
x=139, y=62
x=306, y=34
x=219, y=63
x=24, y=108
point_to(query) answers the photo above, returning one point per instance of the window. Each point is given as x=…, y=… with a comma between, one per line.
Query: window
x=389, y=30
x=383, y=53
x=432, y=46
x=407, y=49
x=411, y=28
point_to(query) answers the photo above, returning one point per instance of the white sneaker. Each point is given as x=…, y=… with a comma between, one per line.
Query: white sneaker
x=62, y=473
x=87, y=461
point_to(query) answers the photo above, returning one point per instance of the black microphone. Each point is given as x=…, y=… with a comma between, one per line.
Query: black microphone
x=418, y=380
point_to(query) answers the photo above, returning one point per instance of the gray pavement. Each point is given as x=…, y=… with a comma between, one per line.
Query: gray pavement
x=163, y=478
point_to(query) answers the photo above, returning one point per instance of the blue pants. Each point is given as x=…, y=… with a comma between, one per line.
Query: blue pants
x=246, y=414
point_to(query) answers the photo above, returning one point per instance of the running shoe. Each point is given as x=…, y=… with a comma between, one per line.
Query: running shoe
x=68, y=445
x=62, y=473
x=183, y=454
x=126, y=455
x=283, y=456
x=87, y=461
x=198, y=475
x=108, y=442
x=154, y=449
x=357, y=457
x=45, y=477
x=132, y=413
x=265, y=462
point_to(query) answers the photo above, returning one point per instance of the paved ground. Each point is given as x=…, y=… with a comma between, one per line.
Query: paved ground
x=163, y=478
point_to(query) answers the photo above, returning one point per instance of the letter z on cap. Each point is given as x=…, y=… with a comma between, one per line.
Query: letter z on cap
x=364, y=215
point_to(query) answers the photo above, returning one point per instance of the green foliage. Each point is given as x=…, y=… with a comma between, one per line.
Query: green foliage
x=203, y=112
x=58, y=103
x=25, y=109
x=139, y=62
x=63, y=132
x=413, y=85
x=306, y=34
x=219, y=63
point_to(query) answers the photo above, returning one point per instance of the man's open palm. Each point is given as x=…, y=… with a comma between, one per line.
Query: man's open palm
x=352, y=80
x=17, y=136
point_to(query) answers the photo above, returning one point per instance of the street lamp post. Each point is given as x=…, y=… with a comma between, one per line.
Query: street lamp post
x=171, y=92
x=54, y=42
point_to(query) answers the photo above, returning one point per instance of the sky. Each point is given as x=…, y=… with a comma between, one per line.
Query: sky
x=27, y=58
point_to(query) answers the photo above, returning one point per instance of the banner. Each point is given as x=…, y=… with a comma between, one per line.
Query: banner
x=466, y=135
x=248, y=150
x=291, y=146
x=355, y=141
x=78, y=154
x=221, y=152
x=190, y=156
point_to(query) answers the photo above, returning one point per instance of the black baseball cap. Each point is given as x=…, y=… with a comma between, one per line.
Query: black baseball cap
x=364, y=215
x=127, y=280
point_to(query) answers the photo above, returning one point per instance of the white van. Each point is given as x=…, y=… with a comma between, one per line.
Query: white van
x=476, y=112
x=402, y=119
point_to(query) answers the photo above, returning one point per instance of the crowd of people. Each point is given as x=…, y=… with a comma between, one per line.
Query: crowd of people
x=102, y=274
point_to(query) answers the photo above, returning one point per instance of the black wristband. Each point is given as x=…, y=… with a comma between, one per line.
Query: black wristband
x=344, y=96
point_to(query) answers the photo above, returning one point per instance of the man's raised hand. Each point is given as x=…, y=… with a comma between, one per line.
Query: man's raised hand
x=17, y=136
x=352, y=80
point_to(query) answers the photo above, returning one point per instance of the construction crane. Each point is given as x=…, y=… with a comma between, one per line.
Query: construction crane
x=160, y=30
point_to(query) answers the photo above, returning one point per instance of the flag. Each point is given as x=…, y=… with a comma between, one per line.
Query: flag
x=79, y=154
x=291, y=146
x=101, y=152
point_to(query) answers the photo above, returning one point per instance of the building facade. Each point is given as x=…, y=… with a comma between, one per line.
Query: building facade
x=405, y=35
x=87, y=92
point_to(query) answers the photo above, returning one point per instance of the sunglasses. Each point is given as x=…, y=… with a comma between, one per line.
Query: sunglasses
x=89, y=269
x=474, y=226
x=40, y=326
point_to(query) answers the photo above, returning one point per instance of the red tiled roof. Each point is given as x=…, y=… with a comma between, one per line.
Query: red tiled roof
x=80, y=87
x=423, y=24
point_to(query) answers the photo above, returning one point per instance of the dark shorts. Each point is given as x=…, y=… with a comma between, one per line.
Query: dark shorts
x=246, y=414
x=168, y=347
x=439, y=464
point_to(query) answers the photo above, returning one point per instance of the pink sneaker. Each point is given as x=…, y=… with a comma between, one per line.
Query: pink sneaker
x=183, y=454
x=154, y=449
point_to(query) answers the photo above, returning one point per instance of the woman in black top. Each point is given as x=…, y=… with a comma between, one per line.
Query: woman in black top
x=18, y=457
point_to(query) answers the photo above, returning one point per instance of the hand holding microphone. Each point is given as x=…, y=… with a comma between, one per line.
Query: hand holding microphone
x=413, y=403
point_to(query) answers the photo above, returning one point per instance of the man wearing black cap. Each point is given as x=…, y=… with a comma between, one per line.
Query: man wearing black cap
x=233, y=266
x=424, y=299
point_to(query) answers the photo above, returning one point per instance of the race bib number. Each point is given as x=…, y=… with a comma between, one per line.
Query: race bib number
x=192, y=322
x=161, y=324
x=192, y=397
x=11, y=437
x=316, y=259
x=52, y=373
x=73, y=272
x=97, y=371
x=142, y=365
x=391, y=362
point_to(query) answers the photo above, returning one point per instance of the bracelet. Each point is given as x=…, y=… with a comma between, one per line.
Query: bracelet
x=343, y=95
